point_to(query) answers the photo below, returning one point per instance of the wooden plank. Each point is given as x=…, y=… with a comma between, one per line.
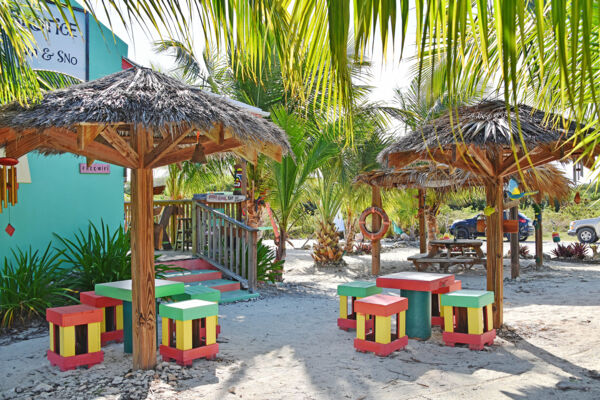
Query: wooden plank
x=24, y=144
x=120, y=144
x=376, y=222
x=184, y=154
x=252, y=279
x=163, y=148
x=65, y=140
x=142, y=262
x=495, y=276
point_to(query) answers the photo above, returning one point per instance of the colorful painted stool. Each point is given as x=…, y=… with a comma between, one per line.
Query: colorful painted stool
x=189, y=331
x=74, y=336
x=468, y=318
x=111, y=327
x=437, y=312
x=380, y=340
x=199, y=292
x=354, y=290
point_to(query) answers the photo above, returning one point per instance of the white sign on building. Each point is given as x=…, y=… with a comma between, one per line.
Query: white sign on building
x=59, y=49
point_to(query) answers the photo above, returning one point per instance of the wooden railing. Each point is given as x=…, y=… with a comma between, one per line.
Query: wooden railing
x=226, y=243
x=183, y=209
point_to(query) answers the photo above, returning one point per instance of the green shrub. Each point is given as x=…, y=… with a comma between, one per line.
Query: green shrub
x=30, y=283
x=99, y=256
x=267, y=269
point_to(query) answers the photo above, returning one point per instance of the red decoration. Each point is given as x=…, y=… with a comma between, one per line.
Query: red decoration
x=10, y=229
x=8, y=161
x=577, y=198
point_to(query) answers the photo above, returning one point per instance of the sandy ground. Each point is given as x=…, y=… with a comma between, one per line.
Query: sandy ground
x=286, y=345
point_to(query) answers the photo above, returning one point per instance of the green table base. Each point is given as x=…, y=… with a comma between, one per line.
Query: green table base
x=418, y=315
x=128, y=327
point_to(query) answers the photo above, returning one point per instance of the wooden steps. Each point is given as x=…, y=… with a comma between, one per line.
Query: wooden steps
x=201, y=272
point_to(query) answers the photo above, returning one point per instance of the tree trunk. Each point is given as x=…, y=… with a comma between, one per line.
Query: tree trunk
x=376, y=222
x=432, y=225
x=422, y=227
x=539, y=244
x=280, y=250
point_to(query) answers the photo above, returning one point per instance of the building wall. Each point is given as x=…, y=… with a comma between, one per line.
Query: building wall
x=60, y=199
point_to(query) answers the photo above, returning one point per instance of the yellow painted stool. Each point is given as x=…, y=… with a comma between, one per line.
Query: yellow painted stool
x=189, y=331
x=354, y=291
x=380, y=340
x=468, y=318
x=74, y=336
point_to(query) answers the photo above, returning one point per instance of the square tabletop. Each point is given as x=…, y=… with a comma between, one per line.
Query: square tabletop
x=418, y=281
x=122, y=289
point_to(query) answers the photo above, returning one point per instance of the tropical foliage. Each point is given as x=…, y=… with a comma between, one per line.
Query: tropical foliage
x=268, y=269
x=30, y=282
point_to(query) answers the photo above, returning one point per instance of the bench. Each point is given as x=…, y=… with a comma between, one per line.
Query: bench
x=422, y=261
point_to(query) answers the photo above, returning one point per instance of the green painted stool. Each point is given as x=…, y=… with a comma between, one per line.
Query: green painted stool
x=189, y=331
x=353, y=290
x=468, y=318
x=199, y=292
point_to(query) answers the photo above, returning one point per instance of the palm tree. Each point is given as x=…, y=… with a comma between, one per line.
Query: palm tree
x=328, y=193
x=290, y=177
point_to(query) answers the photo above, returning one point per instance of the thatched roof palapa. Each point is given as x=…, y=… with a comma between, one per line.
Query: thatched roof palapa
x=548, y=180
x=143, y=97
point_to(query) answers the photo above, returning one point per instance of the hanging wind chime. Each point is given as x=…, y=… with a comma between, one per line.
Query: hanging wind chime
x=8, y=187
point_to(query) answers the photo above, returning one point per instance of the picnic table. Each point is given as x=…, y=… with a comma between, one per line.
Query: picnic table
x=447, y=252
x=417, y=288
x=122, y=290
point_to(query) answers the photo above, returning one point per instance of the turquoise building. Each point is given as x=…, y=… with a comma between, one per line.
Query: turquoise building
x=59, y=198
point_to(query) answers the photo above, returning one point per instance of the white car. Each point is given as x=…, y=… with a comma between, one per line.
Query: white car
x=586, y=230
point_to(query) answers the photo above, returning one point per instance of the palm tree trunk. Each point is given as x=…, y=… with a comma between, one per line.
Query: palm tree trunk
x=432, y=225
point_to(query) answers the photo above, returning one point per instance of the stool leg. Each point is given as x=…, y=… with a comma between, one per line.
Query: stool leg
x=383, y=327
x=343, y=307
x=448, y=318
x=183, y=335
x=165, y=331
x=52, y=337
x=475, y=320
x=211, y=330
x=94, y=337
x=67, y=340
x=360, y=326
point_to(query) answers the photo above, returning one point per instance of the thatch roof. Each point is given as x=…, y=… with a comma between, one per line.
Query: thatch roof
x=486, y=124
x=141, y=96
x=547, y=179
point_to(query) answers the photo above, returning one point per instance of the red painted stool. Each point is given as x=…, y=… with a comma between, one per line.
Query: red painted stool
x=74, y=336
x=381, y=340
x=111, y=327
x=468, y=318
x=437, y=311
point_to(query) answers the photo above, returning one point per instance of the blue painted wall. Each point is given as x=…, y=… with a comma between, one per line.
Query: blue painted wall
x=60, y=199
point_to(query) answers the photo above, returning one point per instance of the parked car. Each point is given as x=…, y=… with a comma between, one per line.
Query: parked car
x=467, y=228
x=586, y=230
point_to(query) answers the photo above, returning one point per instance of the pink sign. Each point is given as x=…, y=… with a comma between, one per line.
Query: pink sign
x=94, y=169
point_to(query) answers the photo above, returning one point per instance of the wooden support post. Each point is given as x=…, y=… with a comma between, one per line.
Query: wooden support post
x=422, y=226
x=514, y=245
x=142, y=261
x=494, y=234
x=376, y=226
x=539, y=243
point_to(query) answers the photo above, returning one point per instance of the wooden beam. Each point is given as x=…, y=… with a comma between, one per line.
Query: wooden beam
x=515, y=268
x=535, y=160
x=7, y=135
x=24, y=144
x=399, y=160
x=87, y=134
x=65, y=140
x=186, y=153
x=271, y=150
x=142, y=261
x=483, y=161
x=120, y=144
x=170, y=142
x=376, y=226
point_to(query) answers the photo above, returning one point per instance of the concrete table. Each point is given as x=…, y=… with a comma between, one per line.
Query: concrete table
x=417, y=288
x=122, y=290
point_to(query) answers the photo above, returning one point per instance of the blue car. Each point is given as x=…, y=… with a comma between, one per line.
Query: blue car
x=467, y=228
